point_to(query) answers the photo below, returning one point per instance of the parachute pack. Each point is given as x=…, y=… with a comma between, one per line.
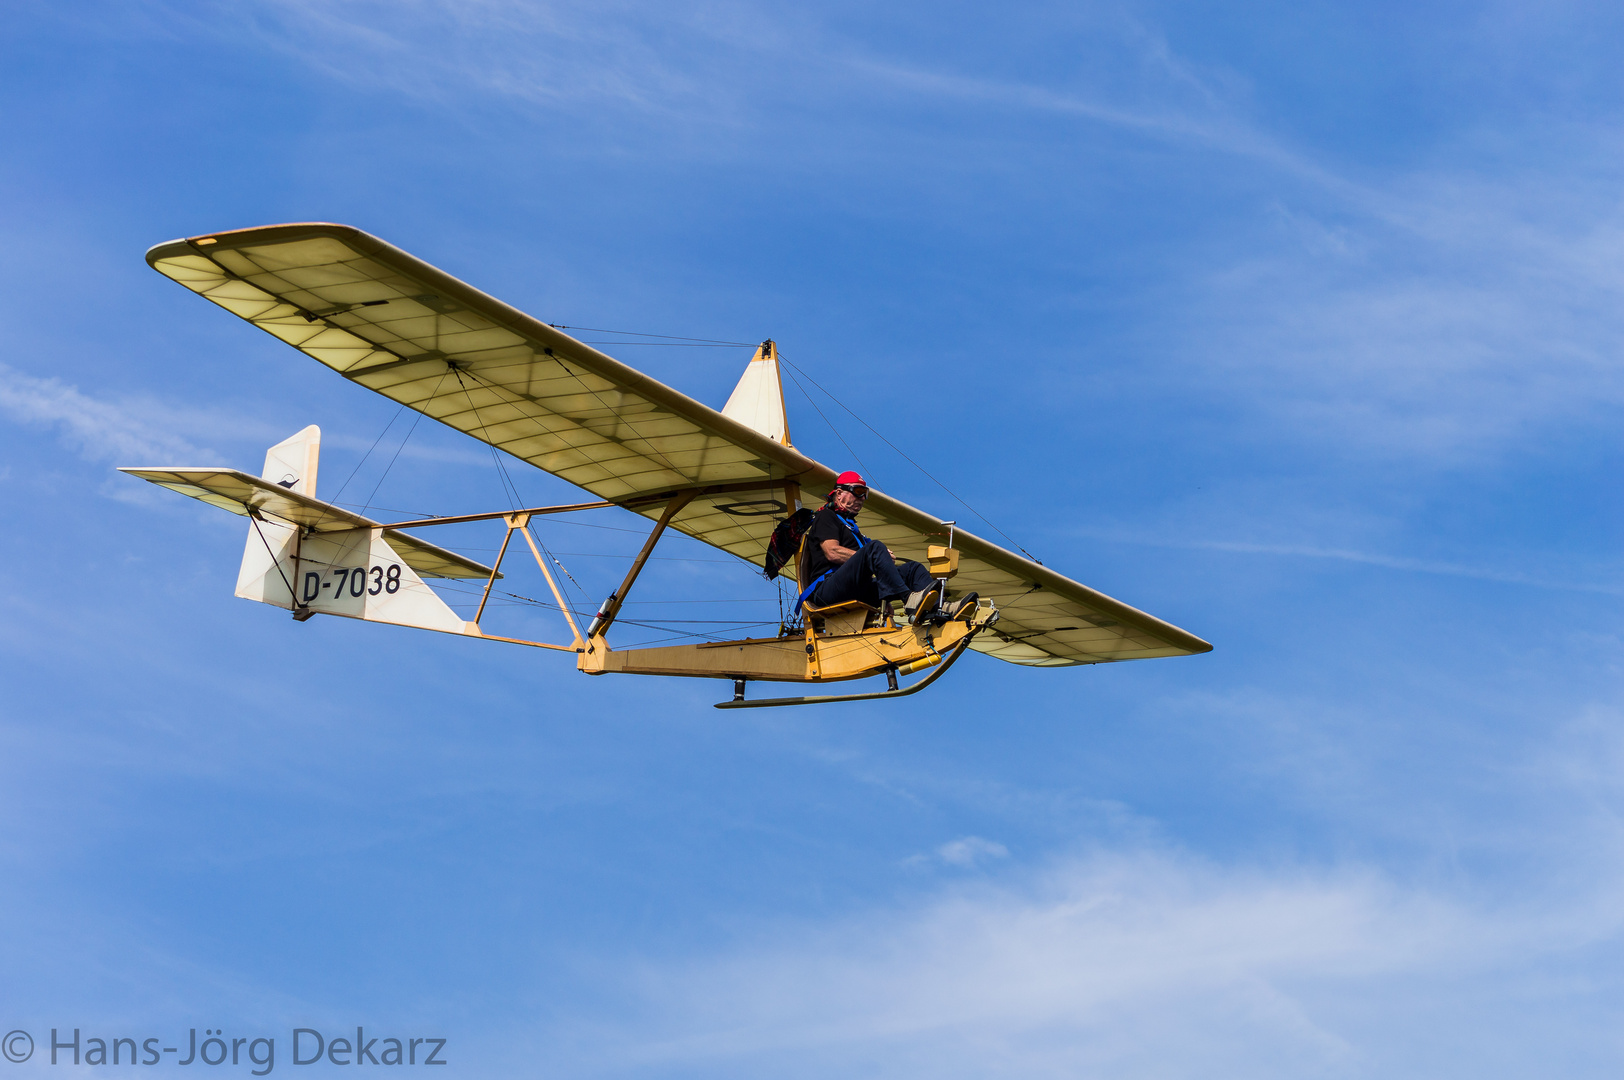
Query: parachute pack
x=785, y=542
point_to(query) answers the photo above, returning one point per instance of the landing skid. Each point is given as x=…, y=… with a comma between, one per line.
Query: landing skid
x=935, y=673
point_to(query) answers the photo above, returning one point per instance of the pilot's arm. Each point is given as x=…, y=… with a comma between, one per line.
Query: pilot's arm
x=837, y=554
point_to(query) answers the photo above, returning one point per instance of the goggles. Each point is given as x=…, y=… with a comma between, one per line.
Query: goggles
x=857, y=491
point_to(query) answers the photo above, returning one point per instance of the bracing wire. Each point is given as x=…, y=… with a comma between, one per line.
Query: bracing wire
x=292, y=597
x=904, y=457
x=670, y=344
x=680, y=636
x=665, y=625
x=690, y=603
x=545, y=550
x=415, y=421
x=628, y=558
x=599, y=399
x=556, y=521
x=826, y=420
x=508, y=487
x=368, y=454
x=389, y=510
x=511, y=491
x=629, y=426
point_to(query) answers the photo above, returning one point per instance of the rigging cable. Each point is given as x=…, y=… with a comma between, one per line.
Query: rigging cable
x=826, y=420
x=671, y=344
x=814, y=404
x=508, y=487
x=617, y=416
x=587, y=600
x=520, y=600
x=417, y=420
x=596, y=397
x=909, y=460
x=368, y=454
x=293, y=597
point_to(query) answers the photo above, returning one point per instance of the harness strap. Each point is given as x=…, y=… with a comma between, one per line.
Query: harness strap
x=851, y=523
x=862, y=540
x=806, y=593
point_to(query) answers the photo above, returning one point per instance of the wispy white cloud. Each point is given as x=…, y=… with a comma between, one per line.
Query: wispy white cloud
x=1441, y=310
x=1131, y=965
x=968, y=850
x=719, y=62
x=1423, y=566
x=149, y=431
x=128, y=433
x=1162, y=113
x=1602, y=584
x=1432, y=345
x=965, y=852
x=555, y=55
x=1434, y=312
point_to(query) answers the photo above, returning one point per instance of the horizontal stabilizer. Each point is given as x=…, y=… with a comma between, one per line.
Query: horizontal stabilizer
x=242, y=493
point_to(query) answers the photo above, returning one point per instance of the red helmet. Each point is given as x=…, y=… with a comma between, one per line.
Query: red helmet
x=849, y=480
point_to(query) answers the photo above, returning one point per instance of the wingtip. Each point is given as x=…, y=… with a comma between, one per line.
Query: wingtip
x=197, y=245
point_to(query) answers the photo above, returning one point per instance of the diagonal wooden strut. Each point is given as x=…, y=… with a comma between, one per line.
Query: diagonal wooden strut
x=551, y=584
x=611, y=607
x=495, y=570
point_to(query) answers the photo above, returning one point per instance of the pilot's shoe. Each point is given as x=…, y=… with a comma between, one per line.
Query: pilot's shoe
x=964, y=607
x=923, y=604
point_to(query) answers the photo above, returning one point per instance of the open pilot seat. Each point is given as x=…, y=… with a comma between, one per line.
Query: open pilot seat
x=849, y=617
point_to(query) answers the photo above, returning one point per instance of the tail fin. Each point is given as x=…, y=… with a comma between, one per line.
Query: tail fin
x=308, y=556
x=292, y=462
x=354, y=573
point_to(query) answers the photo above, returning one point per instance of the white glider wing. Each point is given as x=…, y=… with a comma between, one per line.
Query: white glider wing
x=413, y=333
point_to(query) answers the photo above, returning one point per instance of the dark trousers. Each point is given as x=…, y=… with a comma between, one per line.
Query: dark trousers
x=872, y=577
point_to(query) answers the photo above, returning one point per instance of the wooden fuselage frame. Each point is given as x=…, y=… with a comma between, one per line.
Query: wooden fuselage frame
x=847, y=641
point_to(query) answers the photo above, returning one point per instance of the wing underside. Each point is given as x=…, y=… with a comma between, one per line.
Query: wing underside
x=411, y=332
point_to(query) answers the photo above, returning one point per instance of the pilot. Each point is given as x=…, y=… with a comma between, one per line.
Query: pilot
x=842, y=564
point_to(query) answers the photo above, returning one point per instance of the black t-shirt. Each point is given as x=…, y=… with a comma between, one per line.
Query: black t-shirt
x=826, y=525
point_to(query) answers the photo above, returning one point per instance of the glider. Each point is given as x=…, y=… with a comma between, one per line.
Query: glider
x=404, y=329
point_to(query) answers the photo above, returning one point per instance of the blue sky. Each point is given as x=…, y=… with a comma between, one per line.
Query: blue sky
x=1294, y=324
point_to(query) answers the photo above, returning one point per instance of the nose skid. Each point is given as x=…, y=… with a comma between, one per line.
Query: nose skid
x=892, y=691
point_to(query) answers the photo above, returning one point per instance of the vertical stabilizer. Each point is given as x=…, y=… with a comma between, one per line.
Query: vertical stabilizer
x=758, y=400
x=353, y=572
x=292, y=462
